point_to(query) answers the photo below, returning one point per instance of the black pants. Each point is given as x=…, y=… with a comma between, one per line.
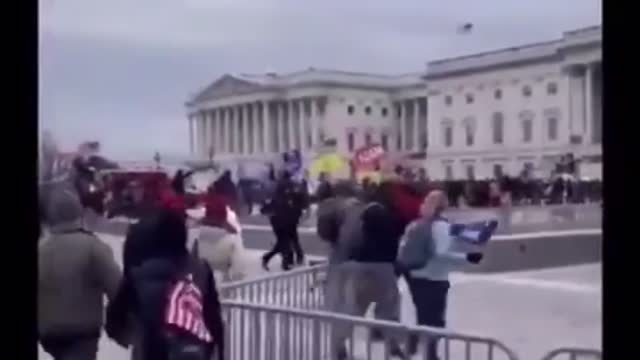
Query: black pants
x=82, y=347
x=430, y=300
x=295, y=242
x=283, y=246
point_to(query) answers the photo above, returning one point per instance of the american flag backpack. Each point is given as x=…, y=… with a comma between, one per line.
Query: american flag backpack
x=188, y=337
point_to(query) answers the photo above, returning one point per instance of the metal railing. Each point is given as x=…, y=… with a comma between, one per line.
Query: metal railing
x=262, y=332
x=573, y=354
x=279, y=316
x=300, y=288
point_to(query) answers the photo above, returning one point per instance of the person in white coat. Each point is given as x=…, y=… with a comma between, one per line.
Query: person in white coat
x=219, y=241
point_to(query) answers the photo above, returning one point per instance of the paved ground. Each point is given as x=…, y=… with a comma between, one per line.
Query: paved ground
x=532, y=312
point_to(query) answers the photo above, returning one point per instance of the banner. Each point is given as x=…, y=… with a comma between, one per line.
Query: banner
x=368, y=158
x=367, y=163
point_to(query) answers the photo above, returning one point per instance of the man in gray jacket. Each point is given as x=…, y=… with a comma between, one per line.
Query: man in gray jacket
x=75, y=271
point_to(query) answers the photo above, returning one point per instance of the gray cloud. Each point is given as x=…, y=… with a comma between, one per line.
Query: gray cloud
x=120, y=71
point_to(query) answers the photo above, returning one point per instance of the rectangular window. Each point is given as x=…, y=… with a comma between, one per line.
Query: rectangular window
x=527, y=130
x=552, y=128
x=448, y=136
x=497, y=171
x=384, y=139
x=498, y=129
x=351, y=142
x=471, y=174
x=469, y=136
x=367, y=139
x=448, y=172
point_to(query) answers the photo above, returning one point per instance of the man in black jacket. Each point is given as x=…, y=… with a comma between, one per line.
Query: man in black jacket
x=284, y=210
x=370, y=272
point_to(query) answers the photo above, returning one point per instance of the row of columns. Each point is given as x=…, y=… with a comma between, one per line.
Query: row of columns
x=411, y=124
x=256, y=127
x=585, y=102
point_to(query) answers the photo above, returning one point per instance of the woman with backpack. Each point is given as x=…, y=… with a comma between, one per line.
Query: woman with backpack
x=160, y=278
x=427, y=258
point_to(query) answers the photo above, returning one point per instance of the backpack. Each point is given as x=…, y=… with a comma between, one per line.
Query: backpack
x=187, y=335
x=177, y=317
x=416, y=245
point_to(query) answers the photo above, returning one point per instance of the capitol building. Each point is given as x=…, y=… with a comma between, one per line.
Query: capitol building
x=476, y=116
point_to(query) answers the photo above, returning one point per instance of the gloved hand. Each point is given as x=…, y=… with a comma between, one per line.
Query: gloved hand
x=474, y=257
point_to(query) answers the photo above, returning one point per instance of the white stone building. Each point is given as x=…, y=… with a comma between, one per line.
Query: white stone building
x=252, y=118
x=497, y=111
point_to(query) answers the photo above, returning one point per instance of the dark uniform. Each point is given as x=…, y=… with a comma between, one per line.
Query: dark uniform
x=285, y=210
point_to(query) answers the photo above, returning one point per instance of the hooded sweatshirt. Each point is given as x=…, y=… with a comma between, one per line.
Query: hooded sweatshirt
x=75, y=271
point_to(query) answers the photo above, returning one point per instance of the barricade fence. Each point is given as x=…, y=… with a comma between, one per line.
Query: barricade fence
x=262, y=332
x=279, y=316
x=301, y=288
x=573, y=354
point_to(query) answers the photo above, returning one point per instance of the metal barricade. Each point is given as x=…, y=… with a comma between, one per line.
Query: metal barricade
x=573, y=354
x=300, y=288
x=262, y=332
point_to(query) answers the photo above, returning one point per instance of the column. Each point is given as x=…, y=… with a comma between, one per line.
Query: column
x=401, y=130
x=200, y=133
x=314, y=123
x=256, y=131
x=277, y=124
x=284, y=141
x=292, y=133
x=245, y=128
x=416, y=124
x=191, y=139
x=302, y=118
x=221, y=130
x=588, y=104
x=207, y=132
x=576, y=100
x=236, y=129
x=266, y=142
x=215, y=125
x=230, y=130
x=596, y=115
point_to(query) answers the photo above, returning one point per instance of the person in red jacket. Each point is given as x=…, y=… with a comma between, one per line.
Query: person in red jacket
x=172, y=201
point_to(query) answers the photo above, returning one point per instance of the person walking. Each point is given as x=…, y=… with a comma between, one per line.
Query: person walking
x=282, y=210
x=369, y=272
x=76, y=270
x=159, y=282
x=219, y=242
x=429, y=284
x=331, y=215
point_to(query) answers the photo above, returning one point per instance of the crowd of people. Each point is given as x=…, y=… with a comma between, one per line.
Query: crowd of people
x=367, y=230
x=163, y=302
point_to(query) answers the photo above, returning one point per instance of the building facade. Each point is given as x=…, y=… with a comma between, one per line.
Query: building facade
x=497, y=112
x=253, y=118
x=487, y=114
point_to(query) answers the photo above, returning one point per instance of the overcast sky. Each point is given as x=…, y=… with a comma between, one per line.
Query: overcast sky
x=119, y=71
